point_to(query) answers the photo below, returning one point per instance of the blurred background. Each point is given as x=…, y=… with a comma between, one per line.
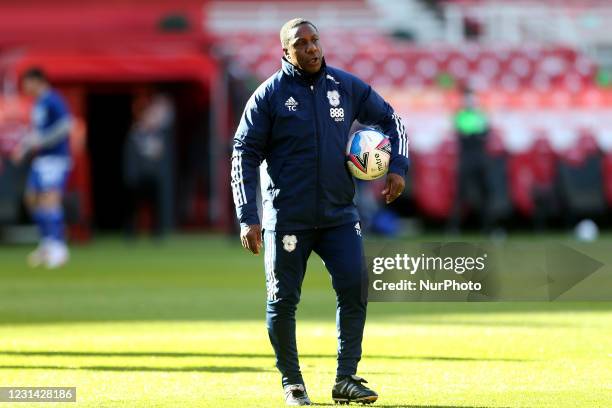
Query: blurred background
x=507, y=104
x=508, y=108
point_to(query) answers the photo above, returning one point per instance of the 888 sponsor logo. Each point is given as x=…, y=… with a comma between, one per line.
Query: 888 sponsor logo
x=337, y=114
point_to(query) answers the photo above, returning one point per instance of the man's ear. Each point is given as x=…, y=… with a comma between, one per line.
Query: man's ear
x=286, y=53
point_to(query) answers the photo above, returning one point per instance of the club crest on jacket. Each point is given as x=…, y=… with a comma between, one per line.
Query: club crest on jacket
x=334, y=98
x=289, y=242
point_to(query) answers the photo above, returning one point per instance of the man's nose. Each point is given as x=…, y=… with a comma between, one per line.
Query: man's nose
x=312, y=47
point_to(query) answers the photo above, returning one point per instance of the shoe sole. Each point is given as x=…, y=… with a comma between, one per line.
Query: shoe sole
x=363, y=400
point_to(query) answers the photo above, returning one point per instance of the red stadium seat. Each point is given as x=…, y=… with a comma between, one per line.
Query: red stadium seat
x=434, y=178
x=607, y=177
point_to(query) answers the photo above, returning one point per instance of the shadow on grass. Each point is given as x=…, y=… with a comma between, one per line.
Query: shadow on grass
x=413, y=406
x=204, y=369
x=235, y=355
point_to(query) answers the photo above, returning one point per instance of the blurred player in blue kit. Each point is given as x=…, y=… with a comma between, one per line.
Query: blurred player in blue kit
x=296, y=127
x=48, y=145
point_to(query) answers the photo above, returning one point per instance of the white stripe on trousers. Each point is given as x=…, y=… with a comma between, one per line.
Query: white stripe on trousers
x=270, y=259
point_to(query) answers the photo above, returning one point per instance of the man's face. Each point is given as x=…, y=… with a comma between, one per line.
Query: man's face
x=303, y=49
x=30, y=86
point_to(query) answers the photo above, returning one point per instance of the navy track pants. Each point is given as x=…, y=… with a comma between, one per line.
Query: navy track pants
x=286, y=255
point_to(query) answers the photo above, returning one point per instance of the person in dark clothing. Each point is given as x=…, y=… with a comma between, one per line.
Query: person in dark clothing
x=146, y=163
x=296, y=127
x=472, y=130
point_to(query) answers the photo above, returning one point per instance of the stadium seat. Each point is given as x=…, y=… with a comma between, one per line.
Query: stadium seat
x=434, y=178
x=607, y=177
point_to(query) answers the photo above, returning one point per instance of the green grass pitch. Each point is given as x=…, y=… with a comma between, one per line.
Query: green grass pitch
x=182, y=325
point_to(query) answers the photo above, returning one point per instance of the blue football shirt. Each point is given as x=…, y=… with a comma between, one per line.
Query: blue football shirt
x=48, y=110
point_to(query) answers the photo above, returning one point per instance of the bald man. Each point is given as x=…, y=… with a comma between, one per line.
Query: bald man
x=295, y=129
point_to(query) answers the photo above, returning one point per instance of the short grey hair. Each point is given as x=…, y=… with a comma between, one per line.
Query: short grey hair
x=291, y=24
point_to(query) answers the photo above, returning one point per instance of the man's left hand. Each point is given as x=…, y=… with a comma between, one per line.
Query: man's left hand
x=393, y=187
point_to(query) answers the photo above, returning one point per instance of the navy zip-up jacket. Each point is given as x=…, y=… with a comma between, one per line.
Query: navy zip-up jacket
x=296, y=126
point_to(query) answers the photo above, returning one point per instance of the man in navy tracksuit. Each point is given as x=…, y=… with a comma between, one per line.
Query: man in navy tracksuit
x=295, y=129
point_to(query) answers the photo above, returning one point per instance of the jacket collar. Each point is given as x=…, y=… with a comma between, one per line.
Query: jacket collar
x=300, y=75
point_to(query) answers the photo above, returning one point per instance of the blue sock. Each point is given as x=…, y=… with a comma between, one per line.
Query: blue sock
x=39, y=217
x=56, y=224
x=53, y=221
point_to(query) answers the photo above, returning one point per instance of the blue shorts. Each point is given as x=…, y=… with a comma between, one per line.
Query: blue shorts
x=48, y=173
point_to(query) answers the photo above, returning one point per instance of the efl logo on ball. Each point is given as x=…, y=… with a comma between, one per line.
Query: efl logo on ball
x=368, y=154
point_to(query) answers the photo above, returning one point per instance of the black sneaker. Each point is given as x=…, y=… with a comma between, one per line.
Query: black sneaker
x=295, y=394
x=351, y=389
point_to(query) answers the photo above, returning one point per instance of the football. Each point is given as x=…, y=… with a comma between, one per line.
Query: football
x=367, y=154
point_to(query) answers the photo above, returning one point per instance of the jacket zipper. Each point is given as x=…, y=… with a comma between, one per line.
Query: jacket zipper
x=314, y=105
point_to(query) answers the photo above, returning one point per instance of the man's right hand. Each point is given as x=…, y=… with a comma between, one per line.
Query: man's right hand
x=250, y=236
